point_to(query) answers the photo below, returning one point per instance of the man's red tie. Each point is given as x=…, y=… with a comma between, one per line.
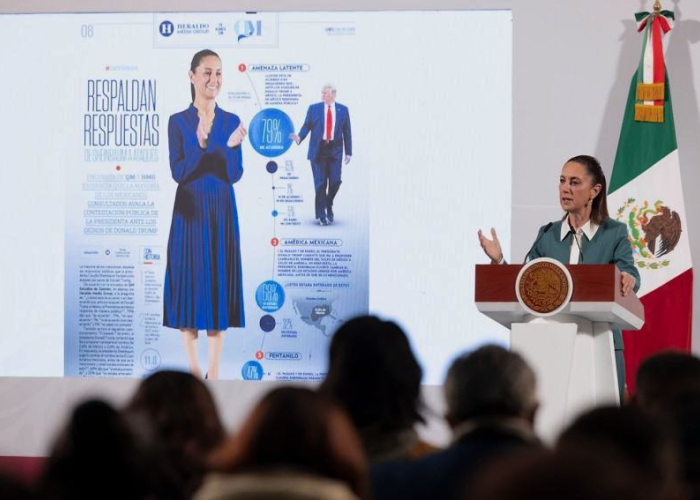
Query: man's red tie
x=329, y=123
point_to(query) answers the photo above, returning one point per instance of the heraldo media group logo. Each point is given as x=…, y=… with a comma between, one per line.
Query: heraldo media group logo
x=167, y=28
x=228, y=29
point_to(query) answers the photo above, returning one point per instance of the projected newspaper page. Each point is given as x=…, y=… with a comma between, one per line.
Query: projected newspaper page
x=263, y=222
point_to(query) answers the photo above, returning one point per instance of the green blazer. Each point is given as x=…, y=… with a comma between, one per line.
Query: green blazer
x=608, y=246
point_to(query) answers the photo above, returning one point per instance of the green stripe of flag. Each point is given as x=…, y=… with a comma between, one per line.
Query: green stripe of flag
x=642, y=144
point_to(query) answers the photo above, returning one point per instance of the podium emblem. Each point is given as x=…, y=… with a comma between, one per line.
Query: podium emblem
x=544, y=287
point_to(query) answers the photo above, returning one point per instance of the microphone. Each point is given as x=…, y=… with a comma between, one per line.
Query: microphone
x=573, y=233
x=546, y=228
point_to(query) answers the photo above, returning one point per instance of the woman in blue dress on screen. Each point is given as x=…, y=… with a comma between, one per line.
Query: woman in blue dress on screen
x=203, y=279
x=585, y=235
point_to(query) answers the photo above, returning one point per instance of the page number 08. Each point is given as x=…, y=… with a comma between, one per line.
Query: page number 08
x=87, y=30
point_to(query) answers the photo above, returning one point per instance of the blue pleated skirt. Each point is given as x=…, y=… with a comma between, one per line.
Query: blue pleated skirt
x=203, y=278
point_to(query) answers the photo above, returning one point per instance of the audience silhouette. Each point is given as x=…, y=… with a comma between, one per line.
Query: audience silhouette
x=179, y=412
x=491, y=405
x=295, y=444
x=375, y=377
x=356, y=437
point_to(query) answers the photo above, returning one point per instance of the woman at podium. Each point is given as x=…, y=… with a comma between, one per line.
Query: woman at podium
x=585, y=235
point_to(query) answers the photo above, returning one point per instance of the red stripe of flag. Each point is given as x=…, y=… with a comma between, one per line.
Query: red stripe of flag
x=668, y=312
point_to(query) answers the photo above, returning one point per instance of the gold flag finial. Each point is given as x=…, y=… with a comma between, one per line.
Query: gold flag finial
x=657, y=7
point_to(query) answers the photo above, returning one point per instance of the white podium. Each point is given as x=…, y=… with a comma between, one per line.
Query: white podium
x=571, y=351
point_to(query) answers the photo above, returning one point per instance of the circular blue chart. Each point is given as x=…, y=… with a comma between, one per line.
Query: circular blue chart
x=252, y=370
x=271, y=166
x=269, y=132
x=267, y=323
x=270, y=296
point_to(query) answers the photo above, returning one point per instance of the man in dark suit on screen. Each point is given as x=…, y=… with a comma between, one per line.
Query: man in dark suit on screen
x=329, y=124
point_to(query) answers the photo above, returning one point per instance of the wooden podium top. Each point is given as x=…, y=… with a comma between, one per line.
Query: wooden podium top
x=596, y=295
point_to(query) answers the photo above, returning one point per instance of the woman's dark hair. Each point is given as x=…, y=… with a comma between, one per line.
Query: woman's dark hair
x=374, y=375
x=599, y=208
x=180, y=412
x=298, y=429
x=99, y=451
x=196, y=60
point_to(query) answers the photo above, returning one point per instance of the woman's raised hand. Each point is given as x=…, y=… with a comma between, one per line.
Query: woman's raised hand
x=492, y=248
x=237, y=137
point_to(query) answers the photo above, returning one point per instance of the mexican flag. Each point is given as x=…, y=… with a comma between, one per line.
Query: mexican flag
x=646, y=194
